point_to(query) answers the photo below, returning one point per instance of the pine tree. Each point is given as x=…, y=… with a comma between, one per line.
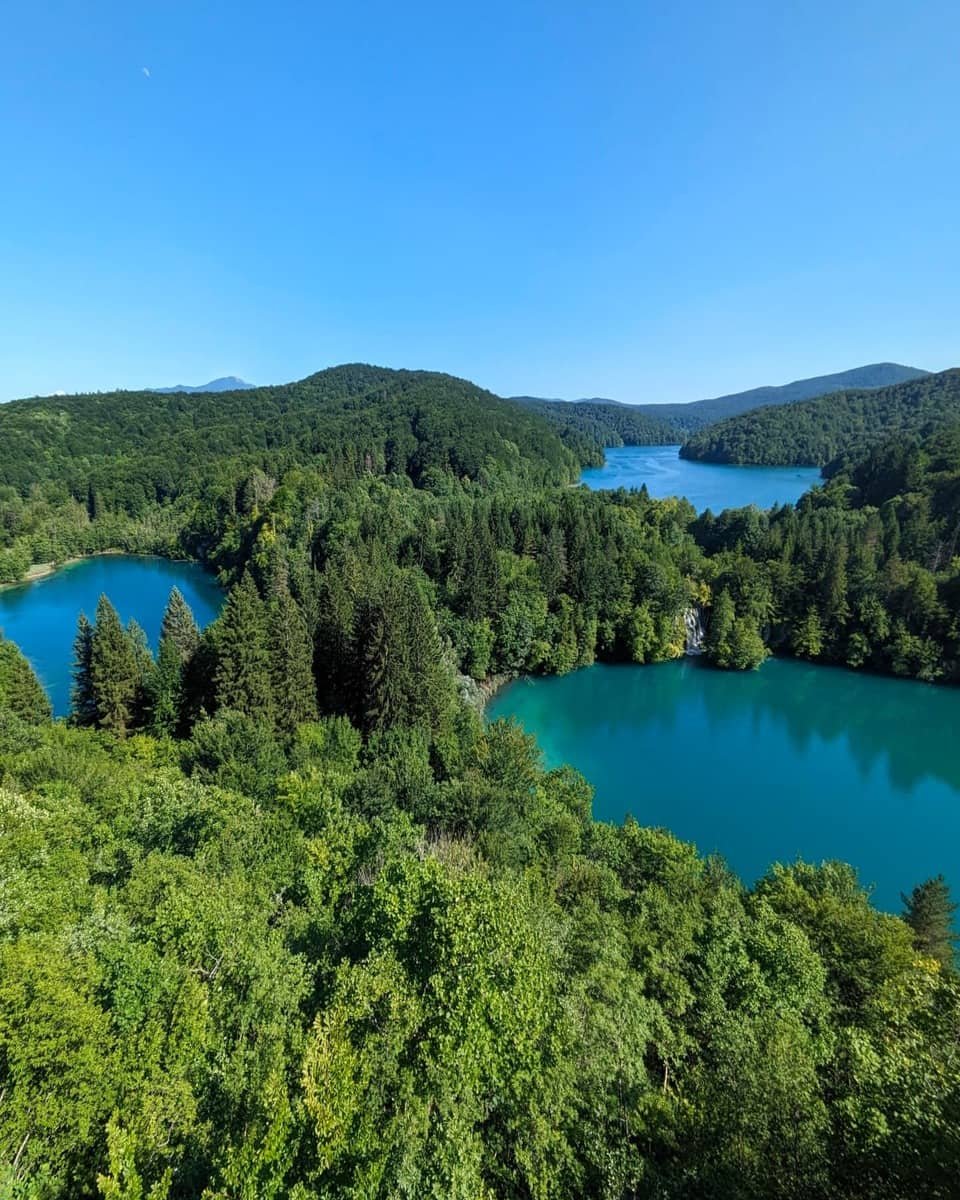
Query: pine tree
x=427, y=675
x=114, y=671
x=179, y=646
x=167, y=699
x=145, y=674
x=83, y=704
x=243, y=671
x=928, y=910
x=291, y=655
x=179, y=626
x=20, y=690
x=380, y=692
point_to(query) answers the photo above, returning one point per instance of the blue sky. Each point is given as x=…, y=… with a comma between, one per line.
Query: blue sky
x=644, y=201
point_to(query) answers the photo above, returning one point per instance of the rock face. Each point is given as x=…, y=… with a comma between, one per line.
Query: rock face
x=693, y=623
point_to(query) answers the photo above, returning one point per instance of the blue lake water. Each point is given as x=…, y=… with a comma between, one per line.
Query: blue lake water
x=764, y=766
x=41, y=617
x=706, y=485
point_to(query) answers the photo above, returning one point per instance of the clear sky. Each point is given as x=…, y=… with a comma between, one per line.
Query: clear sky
x=649, y=201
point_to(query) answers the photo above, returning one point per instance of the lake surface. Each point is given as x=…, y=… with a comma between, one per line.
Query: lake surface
x=764, y=766
x=41, y=617
x=706, y=485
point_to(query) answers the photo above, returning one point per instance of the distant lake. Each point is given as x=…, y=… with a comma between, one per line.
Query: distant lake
x=706, y=485
x=764, y=766
x=41, y=617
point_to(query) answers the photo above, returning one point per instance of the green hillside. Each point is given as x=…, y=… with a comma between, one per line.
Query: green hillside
x=128, y=450
x=587, y=426
x=816, y=432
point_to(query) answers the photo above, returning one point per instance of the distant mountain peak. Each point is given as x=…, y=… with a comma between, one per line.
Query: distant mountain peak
x=226, y=383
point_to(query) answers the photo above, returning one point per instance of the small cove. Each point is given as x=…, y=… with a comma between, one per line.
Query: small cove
x=41, y=616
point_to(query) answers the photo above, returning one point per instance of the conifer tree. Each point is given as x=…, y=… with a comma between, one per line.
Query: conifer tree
x=83, y=704
x=427, y=676
x=243, y=678
x=114, y=671
x=928, y=910
x=291, y=655
x=380, y=693
x=179, y=626
x=167, y=698
x=145, y=674
x=20, y=690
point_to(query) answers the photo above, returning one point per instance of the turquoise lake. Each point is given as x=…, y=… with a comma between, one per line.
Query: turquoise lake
x=764, y=766
x=705, y=485
x=41, y=617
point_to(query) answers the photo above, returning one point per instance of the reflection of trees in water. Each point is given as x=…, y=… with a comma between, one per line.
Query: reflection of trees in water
x=905, y=728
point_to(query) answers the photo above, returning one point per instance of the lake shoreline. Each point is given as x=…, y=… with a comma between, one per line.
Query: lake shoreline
x=40, y=616
x=38, y=571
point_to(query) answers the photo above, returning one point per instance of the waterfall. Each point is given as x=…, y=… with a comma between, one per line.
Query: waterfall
x=693, y=623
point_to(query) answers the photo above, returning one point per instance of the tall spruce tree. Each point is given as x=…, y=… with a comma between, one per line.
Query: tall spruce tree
x=83, y=702
x=167, y=698
x=179, y=626
x=115, y=671
x=20, y=690
x=146, y=672
x=243, y=678
x=291, y=664
x=928, y=910
x=428, y=678
x=384, y=667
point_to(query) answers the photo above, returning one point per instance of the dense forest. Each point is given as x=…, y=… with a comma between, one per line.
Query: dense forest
x=587, y=426
x=281, y=916
x=842, y=426
x=128, y=451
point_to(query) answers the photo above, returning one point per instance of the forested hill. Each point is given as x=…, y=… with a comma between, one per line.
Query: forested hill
x=587, y=426
x=128, y=450
x=817, y=432
x=701, y=413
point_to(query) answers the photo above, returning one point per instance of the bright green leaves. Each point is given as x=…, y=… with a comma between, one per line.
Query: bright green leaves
x=440, y=1067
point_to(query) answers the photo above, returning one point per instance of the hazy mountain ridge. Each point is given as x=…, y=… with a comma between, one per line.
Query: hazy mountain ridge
x=226, y=383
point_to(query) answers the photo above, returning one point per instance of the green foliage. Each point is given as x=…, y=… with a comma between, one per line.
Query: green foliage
x=243, y=678
x=83, y=700
x=928, y=910
x=587, y=426
x=20, y=690
x=819, y=431
x=264, y=979
x=291, y=664
x=115, y=670
x=341, y=939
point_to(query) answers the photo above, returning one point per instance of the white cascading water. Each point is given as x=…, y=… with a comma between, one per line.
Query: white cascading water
x=693, y=623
